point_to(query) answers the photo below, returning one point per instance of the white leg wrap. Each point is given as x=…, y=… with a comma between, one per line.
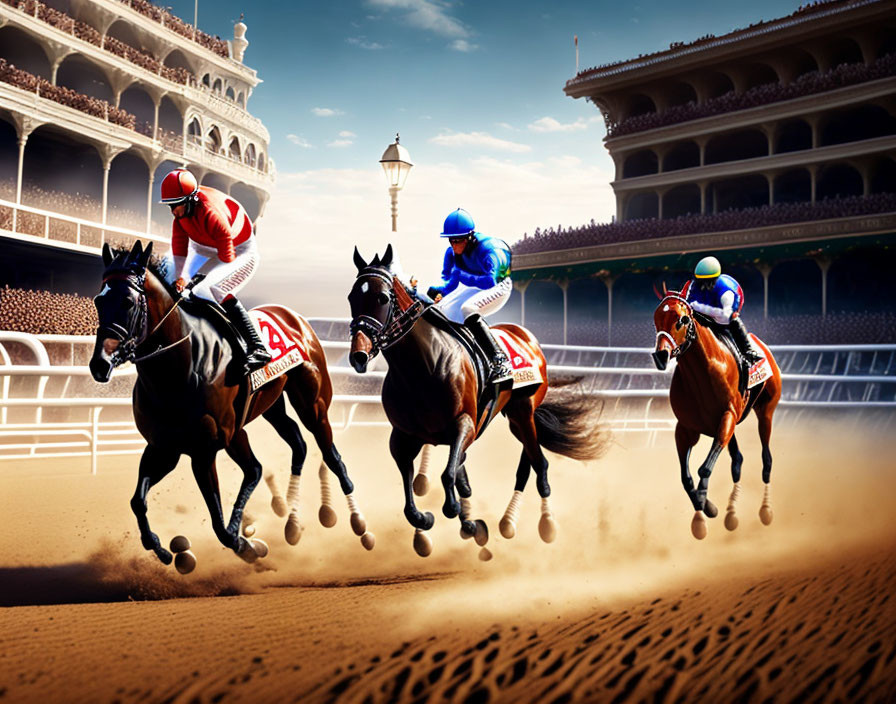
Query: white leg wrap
x=547, y=527
x=352, y=506
x=767, y=496
x=424, y=460
x=735, y=495
x=292, y=493
x=507, y=526
x=326, y=514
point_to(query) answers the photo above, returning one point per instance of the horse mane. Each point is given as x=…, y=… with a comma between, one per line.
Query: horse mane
x=155, y=265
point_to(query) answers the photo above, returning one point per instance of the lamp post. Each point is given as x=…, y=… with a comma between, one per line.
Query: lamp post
x=396, y=164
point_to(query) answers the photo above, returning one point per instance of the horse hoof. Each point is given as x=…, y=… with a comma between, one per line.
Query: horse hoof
x=359, y=524
x=731, y=521
x=185, y=561
x=327, y=516
x=698, y=526
x=710, y=509
x=179, y=543
x=467, y=529
x=293, y=531
x=245, y=551
x=259, y=547
x=507, y=528
x=368, y=540
x=422, y=544
x=485, y=554
x=278, y=504
x=249, y=530
x=481, y=536
x=428, y=521
x=421, y=485
x=766, y=515
x=547, y=529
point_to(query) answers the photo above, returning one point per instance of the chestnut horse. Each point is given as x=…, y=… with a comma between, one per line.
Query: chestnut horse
x=187, y=401
x=431, y=396
x=706, y=401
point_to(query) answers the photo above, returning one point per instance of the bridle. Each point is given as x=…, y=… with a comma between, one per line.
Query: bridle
x=690, y=334
x=138, y=319
x=384, y=334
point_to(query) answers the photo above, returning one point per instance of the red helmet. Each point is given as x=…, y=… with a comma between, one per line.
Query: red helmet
x=177, y=186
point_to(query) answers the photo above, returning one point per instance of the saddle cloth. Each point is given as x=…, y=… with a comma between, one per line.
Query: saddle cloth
x=286, y=352
x=526, y=370
x=758, y=372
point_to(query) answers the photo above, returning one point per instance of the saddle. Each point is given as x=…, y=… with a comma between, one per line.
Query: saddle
x=487, y=397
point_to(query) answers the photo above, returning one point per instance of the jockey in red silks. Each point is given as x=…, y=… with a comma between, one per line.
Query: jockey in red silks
x=212, y=234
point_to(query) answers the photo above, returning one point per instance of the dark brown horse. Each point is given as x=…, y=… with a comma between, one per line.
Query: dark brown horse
x=188, y=401
x=431, y=396
x=706, y=401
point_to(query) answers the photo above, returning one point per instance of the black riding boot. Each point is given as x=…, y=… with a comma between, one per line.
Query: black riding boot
x=256, y=354
x=500, y=369
x=744, y=343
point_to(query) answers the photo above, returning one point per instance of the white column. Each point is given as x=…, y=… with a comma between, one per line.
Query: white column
x=564, y=286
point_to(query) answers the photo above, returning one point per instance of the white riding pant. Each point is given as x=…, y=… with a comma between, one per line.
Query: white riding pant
x=463, y=301
x=222, y=279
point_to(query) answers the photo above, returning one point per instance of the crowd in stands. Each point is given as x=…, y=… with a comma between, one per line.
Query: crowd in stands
x=84, y=31
x=807, y=329
x=744, y=219
x=162, y=16
x=805, y=9
x=42, y=312
x=65, y=96
x=807, y=84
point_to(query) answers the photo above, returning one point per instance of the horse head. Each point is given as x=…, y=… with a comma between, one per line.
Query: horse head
x=674, y=321
x=372, y=300
x=121, y=308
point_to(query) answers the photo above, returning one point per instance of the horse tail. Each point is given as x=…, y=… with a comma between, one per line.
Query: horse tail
x=569, y=424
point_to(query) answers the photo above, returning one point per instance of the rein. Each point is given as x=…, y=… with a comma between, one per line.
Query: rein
x=384, y=334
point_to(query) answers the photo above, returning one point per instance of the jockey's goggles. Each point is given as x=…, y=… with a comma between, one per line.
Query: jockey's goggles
x=461, y=239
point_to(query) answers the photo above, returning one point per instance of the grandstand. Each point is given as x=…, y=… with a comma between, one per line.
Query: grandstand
x=98, y=100
x=773, y=147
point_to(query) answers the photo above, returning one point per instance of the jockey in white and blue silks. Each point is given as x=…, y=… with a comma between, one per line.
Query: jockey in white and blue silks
x=475, y=282
x=720, y=298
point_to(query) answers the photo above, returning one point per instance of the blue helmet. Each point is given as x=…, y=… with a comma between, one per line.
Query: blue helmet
x=458, y=224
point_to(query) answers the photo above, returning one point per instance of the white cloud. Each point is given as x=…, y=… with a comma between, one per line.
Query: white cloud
x=362, y=43
x=316, y=217
x=326, y=112
x=506, y=126
x=428, y=15
x=340, y=143
x=549, y=124
x=463, y=45
x=478, y=139
x=346, y=134
x=299, y=141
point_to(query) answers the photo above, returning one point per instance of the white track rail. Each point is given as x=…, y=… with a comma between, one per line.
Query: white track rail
x=95, y=437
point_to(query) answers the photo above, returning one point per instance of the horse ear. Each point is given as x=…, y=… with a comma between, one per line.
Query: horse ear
x=147, y=253
x=375, y=261
x=107, y=254
x=136, y=251
x=359, y=260
x=386, y=261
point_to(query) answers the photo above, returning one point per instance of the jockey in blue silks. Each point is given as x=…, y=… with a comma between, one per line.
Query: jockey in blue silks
x=475, y=282
x=720, y=298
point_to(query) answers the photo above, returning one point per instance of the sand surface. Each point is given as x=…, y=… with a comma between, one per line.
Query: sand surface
x=625, y=605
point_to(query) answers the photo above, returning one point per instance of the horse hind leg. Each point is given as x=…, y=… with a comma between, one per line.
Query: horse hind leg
x=469, y=528
x=521, y=415
x=315, y=418
x=508, y=523
x=289, y=431
x=737, y=460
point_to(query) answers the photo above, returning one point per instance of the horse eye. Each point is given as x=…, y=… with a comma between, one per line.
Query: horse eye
x=382, y=298
x=685, y=320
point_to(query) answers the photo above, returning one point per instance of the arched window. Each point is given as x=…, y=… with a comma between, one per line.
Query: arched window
x=233, y=151
x=213, y=140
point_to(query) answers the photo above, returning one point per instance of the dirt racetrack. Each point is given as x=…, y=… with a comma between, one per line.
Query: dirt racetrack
x=624, y=606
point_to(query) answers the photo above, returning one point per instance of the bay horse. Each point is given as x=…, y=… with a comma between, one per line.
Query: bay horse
x=188, y=401
x=706, y=400
x=430, y=395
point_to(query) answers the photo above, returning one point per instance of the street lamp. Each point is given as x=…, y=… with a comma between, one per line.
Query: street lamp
x=396, y=164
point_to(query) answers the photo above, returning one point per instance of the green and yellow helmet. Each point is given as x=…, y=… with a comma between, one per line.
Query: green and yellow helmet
x=708, y=268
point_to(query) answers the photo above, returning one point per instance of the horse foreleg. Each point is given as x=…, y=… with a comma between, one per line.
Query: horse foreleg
x=719, y=443
x=206, y=475
x=685, y=439
x=240, y=452
x=737, y=460
x=765, y=431
x=155, y=464
x=404, y=449
x=459, y=445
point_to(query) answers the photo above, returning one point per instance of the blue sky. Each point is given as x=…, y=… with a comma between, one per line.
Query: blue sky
x=476, y=90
